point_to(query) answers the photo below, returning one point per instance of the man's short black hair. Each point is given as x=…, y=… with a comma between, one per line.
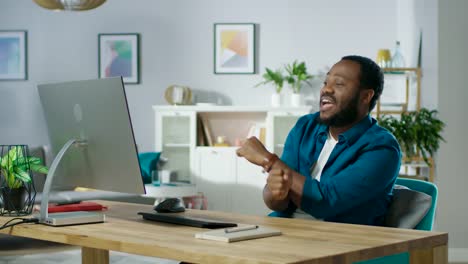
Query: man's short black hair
x=371, y=76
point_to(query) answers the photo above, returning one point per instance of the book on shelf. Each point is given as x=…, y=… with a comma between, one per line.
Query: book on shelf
x=201, y=137
x=257, y=130
x=204, y=135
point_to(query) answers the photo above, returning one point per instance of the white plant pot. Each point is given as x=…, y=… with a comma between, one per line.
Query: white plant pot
x=296, y=100
x=276, y=100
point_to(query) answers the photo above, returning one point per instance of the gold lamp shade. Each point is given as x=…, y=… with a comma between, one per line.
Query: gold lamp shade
x=71, y=5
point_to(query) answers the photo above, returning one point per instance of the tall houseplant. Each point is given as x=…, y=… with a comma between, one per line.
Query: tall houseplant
x=418, y=132
x=276, y=78
x=15, y=177
x=297, y=75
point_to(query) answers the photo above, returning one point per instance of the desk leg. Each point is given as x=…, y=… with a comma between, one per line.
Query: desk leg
x=94, y=256
x=436, y=255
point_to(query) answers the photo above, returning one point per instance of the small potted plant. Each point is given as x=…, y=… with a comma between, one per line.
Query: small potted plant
x=277, y=79
x=296, y=76
x=15, y=179
x=418, y=132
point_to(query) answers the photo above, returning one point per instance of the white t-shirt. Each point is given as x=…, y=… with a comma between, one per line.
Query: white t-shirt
x=323, y=157
x=317, y=171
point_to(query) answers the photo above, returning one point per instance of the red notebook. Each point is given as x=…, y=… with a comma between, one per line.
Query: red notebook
x=82, y=206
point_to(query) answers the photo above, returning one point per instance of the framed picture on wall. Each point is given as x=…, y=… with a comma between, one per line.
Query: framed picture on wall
x=119, y=55
x=234, y=48
x=13, y=55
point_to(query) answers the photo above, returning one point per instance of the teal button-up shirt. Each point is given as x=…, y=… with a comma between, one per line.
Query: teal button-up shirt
x=357, y=180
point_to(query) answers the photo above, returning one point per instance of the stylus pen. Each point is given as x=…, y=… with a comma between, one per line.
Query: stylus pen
x=241, y=228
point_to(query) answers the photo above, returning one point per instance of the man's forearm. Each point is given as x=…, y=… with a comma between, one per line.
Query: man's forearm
x=275, y=205
x=295, y=192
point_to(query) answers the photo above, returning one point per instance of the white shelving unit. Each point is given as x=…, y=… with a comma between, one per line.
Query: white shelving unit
x=229, y=183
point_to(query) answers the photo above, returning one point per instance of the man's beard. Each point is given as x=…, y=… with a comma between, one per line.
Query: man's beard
x=346, y=116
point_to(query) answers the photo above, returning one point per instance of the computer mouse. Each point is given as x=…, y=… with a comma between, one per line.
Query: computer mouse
x=170, y=205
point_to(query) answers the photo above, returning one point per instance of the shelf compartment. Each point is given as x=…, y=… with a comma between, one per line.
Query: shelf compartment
x=177, y=145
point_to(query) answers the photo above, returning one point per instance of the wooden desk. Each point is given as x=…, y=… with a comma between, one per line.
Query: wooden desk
x=303, y=241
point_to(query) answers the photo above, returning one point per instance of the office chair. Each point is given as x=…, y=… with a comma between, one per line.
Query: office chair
x=426, y=223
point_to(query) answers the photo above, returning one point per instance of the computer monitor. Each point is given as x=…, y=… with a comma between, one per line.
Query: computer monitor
x=91, y=118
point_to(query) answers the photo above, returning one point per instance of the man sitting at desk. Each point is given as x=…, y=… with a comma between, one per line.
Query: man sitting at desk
x=338, y=164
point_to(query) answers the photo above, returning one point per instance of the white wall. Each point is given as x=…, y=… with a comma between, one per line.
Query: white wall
x=452, y=214
x=177, y=47
x=426, y=19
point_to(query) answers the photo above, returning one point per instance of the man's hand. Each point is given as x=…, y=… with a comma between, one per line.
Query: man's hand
x=279, y=183
x=254, y=151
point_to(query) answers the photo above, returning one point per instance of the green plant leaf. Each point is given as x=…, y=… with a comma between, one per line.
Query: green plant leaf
x=39, y=168
x=297, y=75
x=34, y=160
x=22, y=175
x=9, y=156
x=275, y=77
x=418, y=132
x=15, y=167
x=10, y=179
x=23, y=162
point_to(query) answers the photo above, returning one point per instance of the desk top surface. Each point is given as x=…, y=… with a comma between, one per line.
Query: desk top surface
x=302, y=240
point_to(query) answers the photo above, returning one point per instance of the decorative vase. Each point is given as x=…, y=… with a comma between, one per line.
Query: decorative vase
x=276, y=100
x=296, y=100
x=384, y=60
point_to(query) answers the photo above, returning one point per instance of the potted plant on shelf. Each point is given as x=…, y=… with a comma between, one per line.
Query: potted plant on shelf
x=297, y=76
x=418, y=132
x=17, y=187
x=277, y=79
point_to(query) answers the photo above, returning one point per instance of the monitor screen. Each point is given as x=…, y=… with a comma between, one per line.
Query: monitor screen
x=94, y=112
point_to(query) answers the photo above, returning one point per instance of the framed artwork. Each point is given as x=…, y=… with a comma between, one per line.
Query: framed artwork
x=119, y=55
x=234, y=48
x=13, y=55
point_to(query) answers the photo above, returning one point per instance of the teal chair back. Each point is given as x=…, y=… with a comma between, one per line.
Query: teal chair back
x=427, y=223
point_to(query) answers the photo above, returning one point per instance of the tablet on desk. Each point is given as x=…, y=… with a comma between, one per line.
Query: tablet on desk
x=181, y=219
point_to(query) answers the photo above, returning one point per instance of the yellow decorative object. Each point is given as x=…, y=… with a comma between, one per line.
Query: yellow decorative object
x=221, y=142
x=178, y=95
x=384, y=59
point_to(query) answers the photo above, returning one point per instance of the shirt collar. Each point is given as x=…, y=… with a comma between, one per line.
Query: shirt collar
x=352, y=134
x=322, y=132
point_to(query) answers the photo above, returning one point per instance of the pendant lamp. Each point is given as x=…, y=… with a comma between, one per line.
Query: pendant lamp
x=69, y=5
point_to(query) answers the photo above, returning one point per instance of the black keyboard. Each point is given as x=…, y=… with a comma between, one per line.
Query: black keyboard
x=180, y=219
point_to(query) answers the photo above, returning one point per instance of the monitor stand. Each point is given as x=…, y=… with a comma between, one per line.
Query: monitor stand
x=65, y=218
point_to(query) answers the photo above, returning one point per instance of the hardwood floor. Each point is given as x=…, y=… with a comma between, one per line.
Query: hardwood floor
x=74, y=257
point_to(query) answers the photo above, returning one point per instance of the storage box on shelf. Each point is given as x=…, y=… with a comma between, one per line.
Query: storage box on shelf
x=186, y=136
